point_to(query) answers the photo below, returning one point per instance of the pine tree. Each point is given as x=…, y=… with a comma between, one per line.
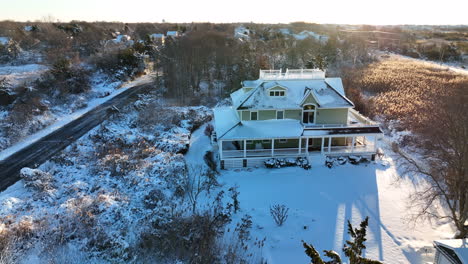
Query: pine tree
x=352, y=249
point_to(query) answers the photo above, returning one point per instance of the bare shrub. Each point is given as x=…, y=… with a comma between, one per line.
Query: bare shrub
x=154, y=116
x=192, y=239
x=210, y=160
x=195, y=184
x=209, y=130
x=279, y=213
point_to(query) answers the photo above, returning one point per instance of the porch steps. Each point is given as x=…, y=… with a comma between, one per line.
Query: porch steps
x=316, y=159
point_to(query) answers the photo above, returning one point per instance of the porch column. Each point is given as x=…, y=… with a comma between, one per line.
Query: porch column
x=352, y=144
x=323, y=143
x=220, y=149
x=272, y=147
x=364, y=140
x=245, y=148
x=307, y=145
x=329, y=144
x=300, y=143
x=375, y=143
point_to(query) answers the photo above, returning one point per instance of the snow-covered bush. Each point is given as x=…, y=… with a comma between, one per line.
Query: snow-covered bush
x=37, y=179
x=329, y=161
x=64, y=78
x=354, y=159
x=288, y=162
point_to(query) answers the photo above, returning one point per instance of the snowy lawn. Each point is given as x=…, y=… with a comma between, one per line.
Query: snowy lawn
x=320, y=202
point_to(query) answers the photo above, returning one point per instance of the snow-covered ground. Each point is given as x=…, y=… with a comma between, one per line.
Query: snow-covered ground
x=320, y=202
x=21, y=73
x=96, y=196
x=100, y=88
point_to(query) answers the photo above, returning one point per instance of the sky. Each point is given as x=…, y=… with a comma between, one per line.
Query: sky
x=377, y=12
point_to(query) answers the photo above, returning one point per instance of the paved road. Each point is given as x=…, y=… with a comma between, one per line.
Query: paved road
x=42, y=150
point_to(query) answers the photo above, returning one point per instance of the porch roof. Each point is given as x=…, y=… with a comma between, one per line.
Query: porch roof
x=265, y=129
x=365, y=130
x=225, y=119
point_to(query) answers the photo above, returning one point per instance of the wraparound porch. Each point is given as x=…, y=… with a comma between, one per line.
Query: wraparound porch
x=296, y=147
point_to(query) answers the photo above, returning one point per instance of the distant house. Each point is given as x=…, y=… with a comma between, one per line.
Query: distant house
x=309, y=34
x=241, y=33
x=157, y=38
x=5, y=41
x=451, y=251
x=172, y=34
x=298, y=113
x=119, y=42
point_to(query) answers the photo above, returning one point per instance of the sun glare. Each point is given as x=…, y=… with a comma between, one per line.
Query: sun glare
x=333, y=11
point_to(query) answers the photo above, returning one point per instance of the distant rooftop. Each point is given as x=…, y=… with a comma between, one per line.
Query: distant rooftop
x=296, y=74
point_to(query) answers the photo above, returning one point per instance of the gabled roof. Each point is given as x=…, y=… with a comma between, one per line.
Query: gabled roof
x=328, y=92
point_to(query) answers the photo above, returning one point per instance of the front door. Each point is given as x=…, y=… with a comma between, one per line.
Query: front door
x=308, y=118
x=315, y=144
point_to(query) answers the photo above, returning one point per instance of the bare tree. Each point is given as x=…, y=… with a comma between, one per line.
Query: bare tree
x=444, y=162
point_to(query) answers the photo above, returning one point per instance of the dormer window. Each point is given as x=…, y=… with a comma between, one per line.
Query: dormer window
x=276, y=93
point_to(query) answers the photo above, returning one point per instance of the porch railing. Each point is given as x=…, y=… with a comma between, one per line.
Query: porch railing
x=294, y=152
x=262, y=152
x=349, y=149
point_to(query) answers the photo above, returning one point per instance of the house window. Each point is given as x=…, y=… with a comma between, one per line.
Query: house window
x=277, y=93
x=283, y=140
x=249, y=141
x=254, y=115
x=266, y=141
x=308, y=114
x=279, y=114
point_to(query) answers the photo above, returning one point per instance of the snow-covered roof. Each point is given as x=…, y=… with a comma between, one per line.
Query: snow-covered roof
x=458, y=246
x=337, y=84
x=328, y=92
x=238, y=96
x=122, y=38
x=172, y=33
x=4, y=40
x=241, y=32
x=157, y=35
x=265, y=129
x=305, y=34
x=225, y=119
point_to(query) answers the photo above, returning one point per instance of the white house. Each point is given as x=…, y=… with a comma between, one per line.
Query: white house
x=172, y=34
x=297, y=113
x=451, y=251
x=157, y=37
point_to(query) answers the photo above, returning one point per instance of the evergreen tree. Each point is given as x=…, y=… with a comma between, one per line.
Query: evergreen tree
x=352, y=249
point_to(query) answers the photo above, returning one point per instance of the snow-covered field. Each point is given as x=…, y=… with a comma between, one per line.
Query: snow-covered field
x=320, y=202
x=21, y=73
x=454, y=67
